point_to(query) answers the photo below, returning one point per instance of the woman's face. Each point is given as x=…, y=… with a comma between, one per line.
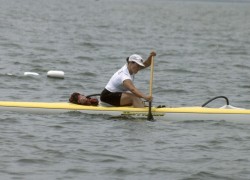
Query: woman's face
x=133, y=67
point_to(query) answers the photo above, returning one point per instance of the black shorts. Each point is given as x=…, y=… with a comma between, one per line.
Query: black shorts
x=113, y=98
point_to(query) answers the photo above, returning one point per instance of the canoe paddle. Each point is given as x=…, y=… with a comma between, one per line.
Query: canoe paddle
x=150, y=116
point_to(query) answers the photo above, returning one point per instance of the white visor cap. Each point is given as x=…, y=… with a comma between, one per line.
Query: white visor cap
x=137, y=59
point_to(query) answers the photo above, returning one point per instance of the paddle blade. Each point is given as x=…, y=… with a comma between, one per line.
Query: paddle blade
x=150, y=115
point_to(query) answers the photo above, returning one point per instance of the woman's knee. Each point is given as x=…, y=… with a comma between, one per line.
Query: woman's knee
x=126, y=99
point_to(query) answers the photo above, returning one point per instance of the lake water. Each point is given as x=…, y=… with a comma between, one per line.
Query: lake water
x=203, y=51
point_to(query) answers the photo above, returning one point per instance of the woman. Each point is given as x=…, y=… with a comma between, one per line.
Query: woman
x=120, y=90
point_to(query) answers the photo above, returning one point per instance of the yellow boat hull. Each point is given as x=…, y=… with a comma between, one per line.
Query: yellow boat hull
x=166, y=113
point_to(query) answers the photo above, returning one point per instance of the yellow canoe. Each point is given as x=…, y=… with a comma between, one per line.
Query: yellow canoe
x=228, y=113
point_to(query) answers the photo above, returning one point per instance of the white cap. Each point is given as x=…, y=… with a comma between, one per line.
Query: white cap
x=137, y=59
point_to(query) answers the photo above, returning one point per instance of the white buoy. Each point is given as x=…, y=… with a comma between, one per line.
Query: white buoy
x=31, y=74
x=55, y=74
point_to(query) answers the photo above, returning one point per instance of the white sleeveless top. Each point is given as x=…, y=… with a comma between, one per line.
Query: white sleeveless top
x=115, y=83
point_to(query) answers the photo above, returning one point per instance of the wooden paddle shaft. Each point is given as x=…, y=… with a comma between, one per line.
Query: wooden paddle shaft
x=151, y=76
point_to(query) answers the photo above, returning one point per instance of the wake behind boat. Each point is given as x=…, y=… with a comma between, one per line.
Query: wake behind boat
x=227, y=112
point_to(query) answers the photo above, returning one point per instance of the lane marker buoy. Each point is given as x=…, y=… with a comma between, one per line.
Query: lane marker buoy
x=55, y=74
x=31, y=74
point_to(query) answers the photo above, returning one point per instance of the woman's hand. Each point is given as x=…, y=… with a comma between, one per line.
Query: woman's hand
x=153, y=53
x=148, y=98
x=147, y=63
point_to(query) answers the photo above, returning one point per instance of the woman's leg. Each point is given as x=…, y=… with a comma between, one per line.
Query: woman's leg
x=128, y=99
x=111, y=98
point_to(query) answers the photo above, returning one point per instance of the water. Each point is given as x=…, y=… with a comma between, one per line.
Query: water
x=202, y=51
